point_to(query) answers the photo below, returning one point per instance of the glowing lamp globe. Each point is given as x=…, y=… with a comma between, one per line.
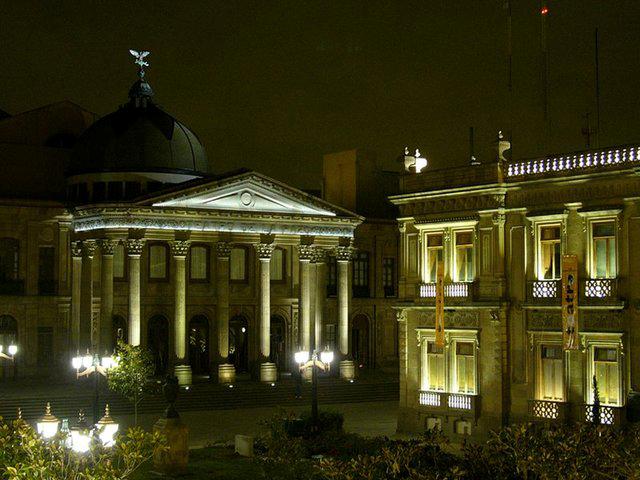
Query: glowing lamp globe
x=107, y=429
x=326, y=356
x=76, y=362
x=13, y=349
x=107, y=362
x=80, y=435
x=87, y=361
x=301, y=357
x=47, y=426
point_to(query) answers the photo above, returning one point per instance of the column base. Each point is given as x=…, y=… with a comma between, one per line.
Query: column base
x=347, y=370
x=226, y=373
x=268, y=372
x=183, y=372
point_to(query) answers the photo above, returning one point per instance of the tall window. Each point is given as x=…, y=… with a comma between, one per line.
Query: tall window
x=465, y=368
x=330, y=335
x=158, y=262
x=607, y=372
x=603, y=254
x=549, y=267
x=464, y=256
x=434, y=255
x=389, y=276
x=551, y=373
x=332, y=276
x=199, y=263
x=119, y=272
x=433, y=373
x=278, y=266
x=9, y=259
x=46, y=271
x=361, y=275
x=238, y=265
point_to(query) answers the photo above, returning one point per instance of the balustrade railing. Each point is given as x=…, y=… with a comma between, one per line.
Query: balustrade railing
x=452, y=290
x=591, y=291
x=454, y=402
x=544, y=290
x=600, y=288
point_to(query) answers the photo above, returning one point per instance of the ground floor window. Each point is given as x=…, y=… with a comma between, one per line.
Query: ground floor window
x=606, y=369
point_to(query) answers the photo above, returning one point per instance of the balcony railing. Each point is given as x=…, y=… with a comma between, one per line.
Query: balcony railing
x=448, y=402
x=461, y=290
x=592, y=291
x=600, y=288
x=608, y=415
x=547, y=410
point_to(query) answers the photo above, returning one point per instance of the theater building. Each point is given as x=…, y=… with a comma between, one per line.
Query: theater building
x=501, y=229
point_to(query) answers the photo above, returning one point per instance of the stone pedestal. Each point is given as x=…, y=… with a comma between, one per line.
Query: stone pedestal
x=183, y=373
x=347, y=370
x=226, y=373
x=268, y=372
x=174, y=460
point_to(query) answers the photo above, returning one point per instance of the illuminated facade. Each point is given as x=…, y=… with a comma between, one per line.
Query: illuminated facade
x=500, y=230
x=128, y=236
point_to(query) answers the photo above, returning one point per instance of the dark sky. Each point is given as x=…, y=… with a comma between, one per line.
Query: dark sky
x=272, y=85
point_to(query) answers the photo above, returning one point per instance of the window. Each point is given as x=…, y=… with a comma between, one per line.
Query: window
x=332, y=277
x=361, y=275
x=464, y=257
x=433, y=373
x=199, y=263
x=607, y=373
x=278, y=266
x=330, y=336
x=46, y=271
x=389, y=276
x=603, y=253
x=434, y=255
x=158, y=262
x=465, y=368
x=119, y=260
x=238, y=265
x=116, y=190
x=551, y=373
x=9, y=259
x=549, y=251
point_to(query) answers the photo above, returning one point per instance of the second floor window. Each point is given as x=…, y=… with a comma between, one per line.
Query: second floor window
x=361, y=275
x=199, y=263
x=603, y=253
x=465, y=368
x=464, y=256
x=158, y=262
x=434, y=255
x=551, y=373
x=389, y=276
x=9, y=259
x=607, y=373
x=549, y=251
x=238, y=265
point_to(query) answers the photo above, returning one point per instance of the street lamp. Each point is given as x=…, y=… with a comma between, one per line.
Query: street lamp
x=80, y=435
x=89, y=364
x=12, y=350
x=323, y=363
x=107, y=428
x=48, y=425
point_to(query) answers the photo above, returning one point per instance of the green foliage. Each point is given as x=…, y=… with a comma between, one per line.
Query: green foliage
x=595, y=410
x=130, y=378
x=24, y=455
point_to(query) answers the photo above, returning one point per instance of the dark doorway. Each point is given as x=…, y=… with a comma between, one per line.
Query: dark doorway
x=279, y=343
x=158, y=343
x=120, y=330
x=199, y=345
x=239, y=343
x=360, y=340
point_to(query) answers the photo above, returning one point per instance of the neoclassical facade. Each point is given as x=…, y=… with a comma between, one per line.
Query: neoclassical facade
x=501, y=230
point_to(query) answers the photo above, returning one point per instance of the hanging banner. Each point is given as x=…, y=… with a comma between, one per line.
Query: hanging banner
x=440, y=305
x=570, y=302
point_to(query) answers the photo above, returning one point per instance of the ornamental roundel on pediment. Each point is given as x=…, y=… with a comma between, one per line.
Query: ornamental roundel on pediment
x=246, y=198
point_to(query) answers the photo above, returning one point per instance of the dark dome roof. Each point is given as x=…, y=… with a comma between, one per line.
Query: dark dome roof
x=139, y=137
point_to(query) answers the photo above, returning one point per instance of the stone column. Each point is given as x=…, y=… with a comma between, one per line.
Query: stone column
x=226, y=371
x=134, y=251
x=88, y=324
x=106, y=295
x=305, y=254
x=268, y=370
x=182, y=369
x=76, y=292
x=343, y=256
x=320, y=295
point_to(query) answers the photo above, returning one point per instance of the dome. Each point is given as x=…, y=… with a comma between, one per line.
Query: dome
x=139, y=137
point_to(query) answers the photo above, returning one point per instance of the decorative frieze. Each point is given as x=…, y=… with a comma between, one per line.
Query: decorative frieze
x=589, y=320
x=180, y=248
x=134, y=246
x=264, y=250
x=456, y=319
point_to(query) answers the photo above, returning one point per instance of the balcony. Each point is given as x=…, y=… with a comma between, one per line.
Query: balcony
x=544, y=291
x=608, y=415
x=548, y=410
x=448, y=403
x=594, y=291
x=453, y=290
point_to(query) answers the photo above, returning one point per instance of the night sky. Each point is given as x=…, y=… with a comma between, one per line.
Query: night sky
x=272, y=85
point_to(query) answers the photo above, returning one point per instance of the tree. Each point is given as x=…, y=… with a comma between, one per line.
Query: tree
x=130, y=377
x=595, y=409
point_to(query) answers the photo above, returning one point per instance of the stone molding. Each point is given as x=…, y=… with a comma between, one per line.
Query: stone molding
x=134, y=246
x=180, y=248
x=452, y=319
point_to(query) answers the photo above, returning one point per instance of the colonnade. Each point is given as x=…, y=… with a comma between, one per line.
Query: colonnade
x=92, y=331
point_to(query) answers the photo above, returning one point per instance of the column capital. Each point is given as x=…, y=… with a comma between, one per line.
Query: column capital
x=76, y=249
x=134, y=246
x=223, y=249
x=344, y=253
x=179, y=248
x=107, y=246
x=306, y=252
x=320, y=255
x=89, y=247
x=264, y=250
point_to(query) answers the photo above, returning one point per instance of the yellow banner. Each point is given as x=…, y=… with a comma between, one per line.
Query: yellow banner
x=570, y=302
x=440, y=305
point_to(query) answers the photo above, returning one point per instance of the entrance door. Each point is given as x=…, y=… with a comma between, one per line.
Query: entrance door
x=239, y=343
x=360, y=340
x=279, y=343
x=199, y=345
x=158, y=343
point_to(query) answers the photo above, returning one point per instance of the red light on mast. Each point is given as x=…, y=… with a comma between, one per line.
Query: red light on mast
x=544, y=10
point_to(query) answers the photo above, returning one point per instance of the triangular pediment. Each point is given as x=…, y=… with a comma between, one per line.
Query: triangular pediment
x=248, y=193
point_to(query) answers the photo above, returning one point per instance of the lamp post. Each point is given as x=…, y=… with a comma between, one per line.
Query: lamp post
x=322, y=362
x=89, y=364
